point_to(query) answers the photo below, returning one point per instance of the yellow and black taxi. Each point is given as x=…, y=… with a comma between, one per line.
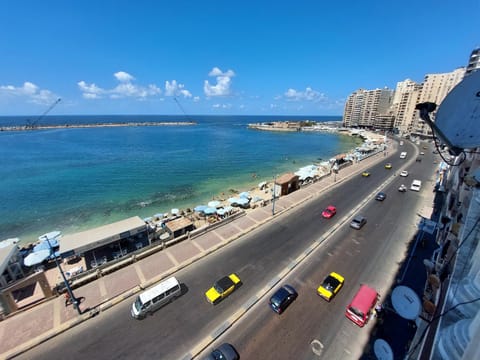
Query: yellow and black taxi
x=331, y=286
x=366, y=174
x=222, y=288
x=388, y=166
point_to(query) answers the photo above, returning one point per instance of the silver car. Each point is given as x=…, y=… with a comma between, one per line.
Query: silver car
x=358, y=221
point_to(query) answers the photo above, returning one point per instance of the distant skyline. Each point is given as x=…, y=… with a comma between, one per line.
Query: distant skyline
x=221, y=58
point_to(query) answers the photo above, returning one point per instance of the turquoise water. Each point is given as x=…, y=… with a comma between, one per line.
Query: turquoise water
x=74, y=179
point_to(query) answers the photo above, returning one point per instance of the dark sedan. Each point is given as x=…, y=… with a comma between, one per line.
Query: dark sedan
x=381, y=196
x=282, y=298
x=223, y=352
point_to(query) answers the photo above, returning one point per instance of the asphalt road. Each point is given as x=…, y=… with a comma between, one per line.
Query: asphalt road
x=368, y=255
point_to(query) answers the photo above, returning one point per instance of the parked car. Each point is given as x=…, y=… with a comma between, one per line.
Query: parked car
x=381, y=196
x=402, y=188
x=331, y=286
x=404, y=173
x=329, y=212
x=282, y=298
x=222, y=288
x=225, y=351
x=358, y=221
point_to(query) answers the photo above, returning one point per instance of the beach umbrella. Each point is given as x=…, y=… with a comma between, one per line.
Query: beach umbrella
x=200, y=208
x=244, y=194
x=174, y=211
x=147, y=219
x=214, y=204
x=242, y=201
x=233, y=200
x=209, y=211
x=35, y=258
x=50, y=236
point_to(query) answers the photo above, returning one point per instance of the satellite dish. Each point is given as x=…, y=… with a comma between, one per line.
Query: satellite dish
x=458, y=115
x=382, y=350
x=406, y=302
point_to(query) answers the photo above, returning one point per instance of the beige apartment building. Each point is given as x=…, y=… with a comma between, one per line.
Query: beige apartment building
x=363, y=107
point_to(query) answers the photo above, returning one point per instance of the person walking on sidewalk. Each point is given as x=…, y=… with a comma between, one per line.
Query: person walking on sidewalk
x=68, y=300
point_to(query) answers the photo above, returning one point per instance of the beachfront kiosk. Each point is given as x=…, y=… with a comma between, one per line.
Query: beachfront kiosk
x=106, y=243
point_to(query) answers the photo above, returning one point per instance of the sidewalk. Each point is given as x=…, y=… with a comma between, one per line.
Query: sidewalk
x=24, y=331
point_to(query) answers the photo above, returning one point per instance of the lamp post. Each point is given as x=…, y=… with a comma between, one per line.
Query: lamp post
x=335, y=172
x=273, y=194
x=75, y=301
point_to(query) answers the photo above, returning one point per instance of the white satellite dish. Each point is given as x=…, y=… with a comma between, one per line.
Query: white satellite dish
x=458, y=115
x=382, y=350
x=406, y=302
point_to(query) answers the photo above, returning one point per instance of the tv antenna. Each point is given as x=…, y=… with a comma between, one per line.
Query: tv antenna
x=34, y=124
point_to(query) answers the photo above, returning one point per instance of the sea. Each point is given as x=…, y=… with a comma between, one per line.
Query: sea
x=74, y=179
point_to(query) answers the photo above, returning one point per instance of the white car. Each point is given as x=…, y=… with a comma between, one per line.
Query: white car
x=404, y=173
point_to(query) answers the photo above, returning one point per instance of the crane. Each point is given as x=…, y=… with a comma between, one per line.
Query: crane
x=33, y=124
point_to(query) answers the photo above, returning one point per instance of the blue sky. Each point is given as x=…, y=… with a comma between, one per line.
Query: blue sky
x=221, y=57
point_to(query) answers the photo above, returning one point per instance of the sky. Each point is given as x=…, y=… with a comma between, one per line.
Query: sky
x=217, y=57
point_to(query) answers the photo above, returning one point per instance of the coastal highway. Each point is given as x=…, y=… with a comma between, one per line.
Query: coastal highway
x=361, y=256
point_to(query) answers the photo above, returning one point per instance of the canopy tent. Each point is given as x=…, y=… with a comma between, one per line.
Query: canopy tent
x=174, y=211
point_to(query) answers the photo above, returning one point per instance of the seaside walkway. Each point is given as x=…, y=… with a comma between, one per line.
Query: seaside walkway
x=35, y=325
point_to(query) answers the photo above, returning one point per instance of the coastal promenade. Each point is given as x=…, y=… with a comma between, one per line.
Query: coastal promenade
x=31, y=327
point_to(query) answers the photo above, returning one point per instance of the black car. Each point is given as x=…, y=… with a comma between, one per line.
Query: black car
x=381, y=196
x=224, y=352
x=419, y=159
x=282, y=298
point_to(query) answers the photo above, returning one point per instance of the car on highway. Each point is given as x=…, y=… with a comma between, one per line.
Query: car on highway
x=222, y=288
x=329, y=212
x=402, y=188
x=225, y=351
x=330, y=286
x=388, y=166
x=366, y=174
x=358, y=222
x=404, y=173
x=422, y=153
x=418, y=159
x=381, y=196
x=282, y=298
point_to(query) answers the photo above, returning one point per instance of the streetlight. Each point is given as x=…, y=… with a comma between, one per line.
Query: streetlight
x=273, y=194
x=75, y=301
x=335, y=172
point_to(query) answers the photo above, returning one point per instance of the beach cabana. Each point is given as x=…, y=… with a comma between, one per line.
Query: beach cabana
x=179, y=226
x=288, y=183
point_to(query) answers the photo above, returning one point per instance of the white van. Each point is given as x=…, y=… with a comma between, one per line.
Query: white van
x=155, y=297
x=416, y=185
x=403, y=155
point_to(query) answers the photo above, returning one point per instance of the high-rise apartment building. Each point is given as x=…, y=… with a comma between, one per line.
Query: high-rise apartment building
x=473, y=62
x=363, y=106
x=434, y=89
x=406, y=97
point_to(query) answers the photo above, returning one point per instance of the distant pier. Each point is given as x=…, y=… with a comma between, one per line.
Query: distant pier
x=96, y=125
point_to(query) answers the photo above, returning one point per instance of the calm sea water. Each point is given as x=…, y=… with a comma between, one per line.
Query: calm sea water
x=75, y=179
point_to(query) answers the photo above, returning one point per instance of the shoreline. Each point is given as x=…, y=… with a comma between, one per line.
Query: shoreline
x=95, y=125
x=227, y=192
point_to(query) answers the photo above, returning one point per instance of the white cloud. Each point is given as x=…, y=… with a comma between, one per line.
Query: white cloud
x=30, y=91
x=196, y=98
x=222, y=88
x=126, y=88
x=307, y=95
x=222, y=106
x=174, y=89
x=123, y=76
